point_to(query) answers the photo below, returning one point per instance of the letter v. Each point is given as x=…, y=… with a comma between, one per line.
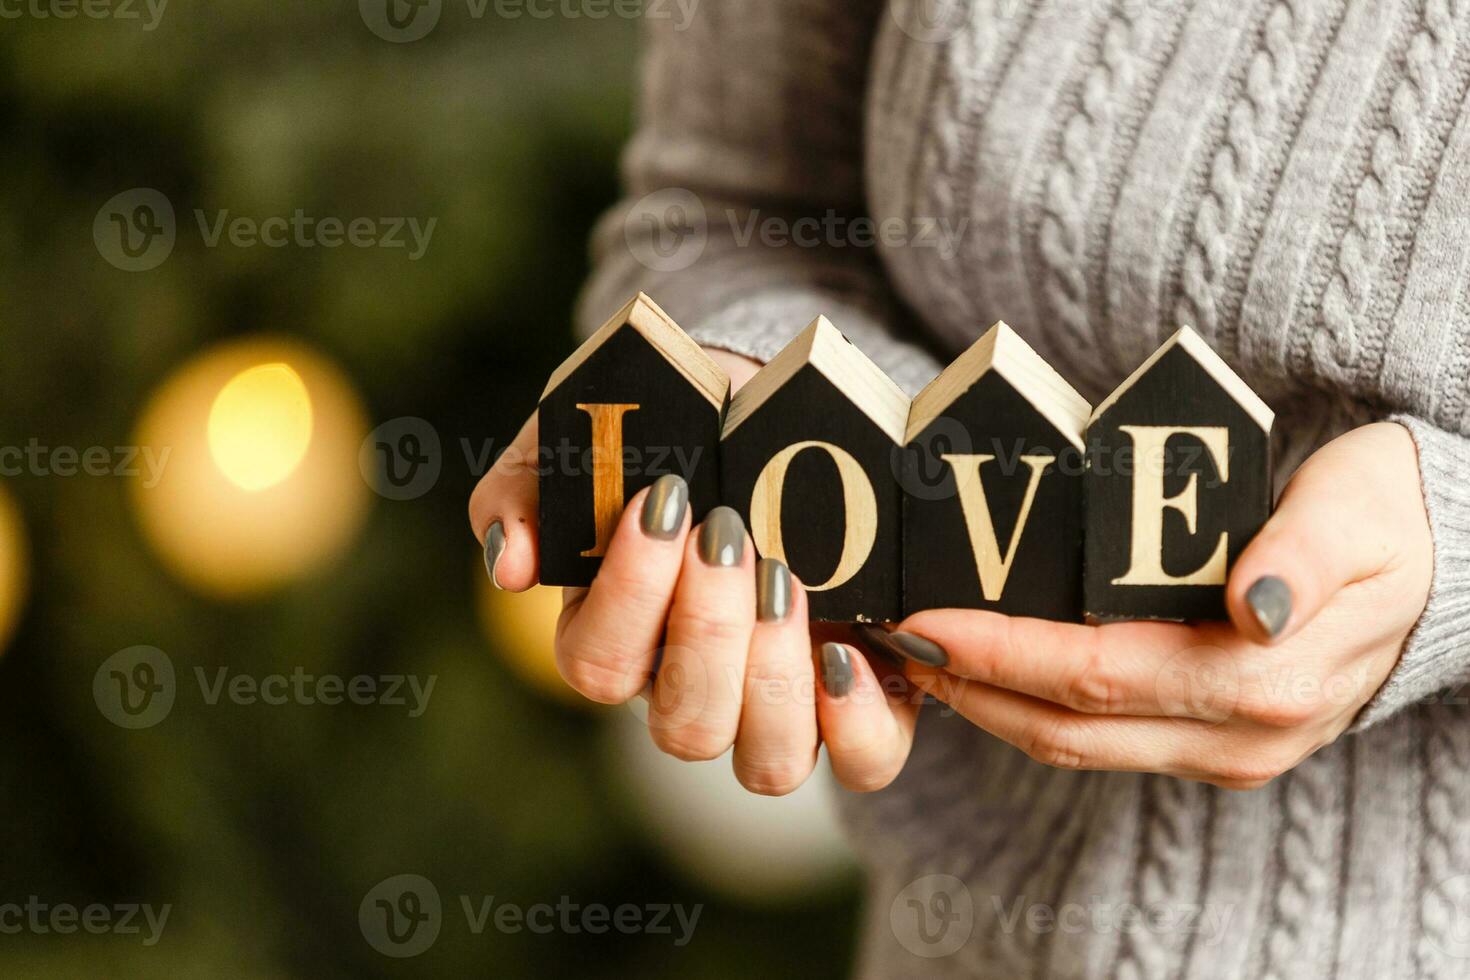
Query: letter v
x=993, y=569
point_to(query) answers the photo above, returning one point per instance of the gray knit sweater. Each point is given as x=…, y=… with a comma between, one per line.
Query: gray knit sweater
x=1292, y=177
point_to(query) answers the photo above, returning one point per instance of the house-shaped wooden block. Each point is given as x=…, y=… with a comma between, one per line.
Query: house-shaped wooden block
x=992, y=478
x=809, y=458
x=1178, y=482
x=638, y=400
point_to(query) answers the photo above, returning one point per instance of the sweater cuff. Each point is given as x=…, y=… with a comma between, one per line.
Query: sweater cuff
x=1436, y=656
x=758, y=326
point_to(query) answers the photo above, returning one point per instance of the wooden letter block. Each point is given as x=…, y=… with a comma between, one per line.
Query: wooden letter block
x=1178, y=482
x=638, y=400
x=992, y=479
x=808, y=458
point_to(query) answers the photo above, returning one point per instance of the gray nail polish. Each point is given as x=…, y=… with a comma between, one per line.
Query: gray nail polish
x=722, y=538
x=875, y=638
x=664, y=507
x=836, y=669
x=920, y=650
x=772, y=590
x=1270, y=601
x=494, y=548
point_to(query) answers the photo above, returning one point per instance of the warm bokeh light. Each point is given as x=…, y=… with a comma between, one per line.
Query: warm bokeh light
x=260, y=425
x=260, y=482
x=13, y=575
x=751, y=848
x=521, y=627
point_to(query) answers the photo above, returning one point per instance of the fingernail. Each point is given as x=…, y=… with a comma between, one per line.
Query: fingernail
x=494, y=548
x=919, y=650
x=875, y=638
x=836, y=669
x=722, y=538
x=772, y=590
x=664, y=507
x=1270, y=602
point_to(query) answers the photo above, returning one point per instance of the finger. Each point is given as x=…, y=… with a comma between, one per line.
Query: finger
x=866, y=718
x=607, y=635
x=776, y=747
x=503, y=513
x=1158, y=669
x=695, y=709
x=1066, y=739
x=1338, y=522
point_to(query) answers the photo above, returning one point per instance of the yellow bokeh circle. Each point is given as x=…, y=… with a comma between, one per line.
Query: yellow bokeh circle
x=521, y=627
x=258, y=441
x=13, y=564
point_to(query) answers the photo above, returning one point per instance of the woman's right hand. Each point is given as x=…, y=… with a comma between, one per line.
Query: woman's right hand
x=716, y=641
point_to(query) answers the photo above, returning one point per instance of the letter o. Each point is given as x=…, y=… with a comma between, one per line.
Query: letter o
x=860, y=508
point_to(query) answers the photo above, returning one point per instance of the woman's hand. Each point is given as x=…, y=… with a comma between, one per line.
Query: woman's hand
x=1322, y=601
x=729, y=640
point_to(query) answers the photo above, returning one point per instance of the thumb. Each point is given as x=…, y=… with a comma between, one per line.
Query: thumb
x=1344, y=517
x=503, y=513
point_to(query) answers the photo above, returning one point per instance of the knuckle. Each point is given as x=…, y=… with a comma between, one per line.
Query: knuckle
x=777, y=681
x=708, y=625
x=772, y=777
x=869, y=778
x=691, y=742
x=1056, y=743
x=1271, y=711
x=607, y=677
x=1094, y=690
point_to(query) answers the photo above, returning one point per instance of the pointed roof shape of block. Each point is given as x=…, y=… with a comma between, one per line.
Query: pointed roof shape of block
x=1194, y=345
x=823, y=347
x=643, y=315
x=1003, y=351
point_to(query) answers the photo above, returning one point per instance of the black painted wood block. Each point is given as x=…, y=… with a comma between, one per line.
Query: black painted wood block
x=992, y=476
x=638, y=400
x=809, y=459
x=1178, y=482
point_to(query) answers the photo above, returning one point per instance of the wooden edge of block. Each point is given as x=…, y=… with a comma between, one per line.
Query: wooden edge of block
x=1212, y=363
x=659, y=329
x=1006, y=352
x=823, y=346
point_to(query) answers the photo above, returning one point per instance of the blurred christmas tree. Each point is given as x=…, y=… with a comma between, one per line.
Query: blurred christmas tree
x=263, y=827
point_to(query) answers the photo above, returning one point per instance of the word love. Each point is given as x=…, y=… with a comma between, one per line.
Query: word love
x=998, y=487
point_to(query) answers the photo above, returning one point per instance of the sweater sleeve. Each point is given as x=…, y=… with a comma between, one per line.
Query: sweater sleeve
x=744, y=215
x=1436, y=657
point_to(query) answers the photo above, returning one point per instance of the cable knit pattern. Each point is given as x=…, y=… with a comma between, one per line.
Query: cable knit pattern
x=1169, y=867
x=1068, y=186
x=1250, y=120
x=1291, y=175
x=1393, y=146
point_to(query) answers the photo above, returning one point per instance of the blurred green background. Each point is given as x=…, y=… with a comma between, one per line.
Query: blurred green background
x=265, y=827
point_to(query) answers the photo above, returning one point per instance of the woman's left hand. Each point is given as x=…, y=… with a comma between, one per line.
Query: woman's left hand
x=1321, y=601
